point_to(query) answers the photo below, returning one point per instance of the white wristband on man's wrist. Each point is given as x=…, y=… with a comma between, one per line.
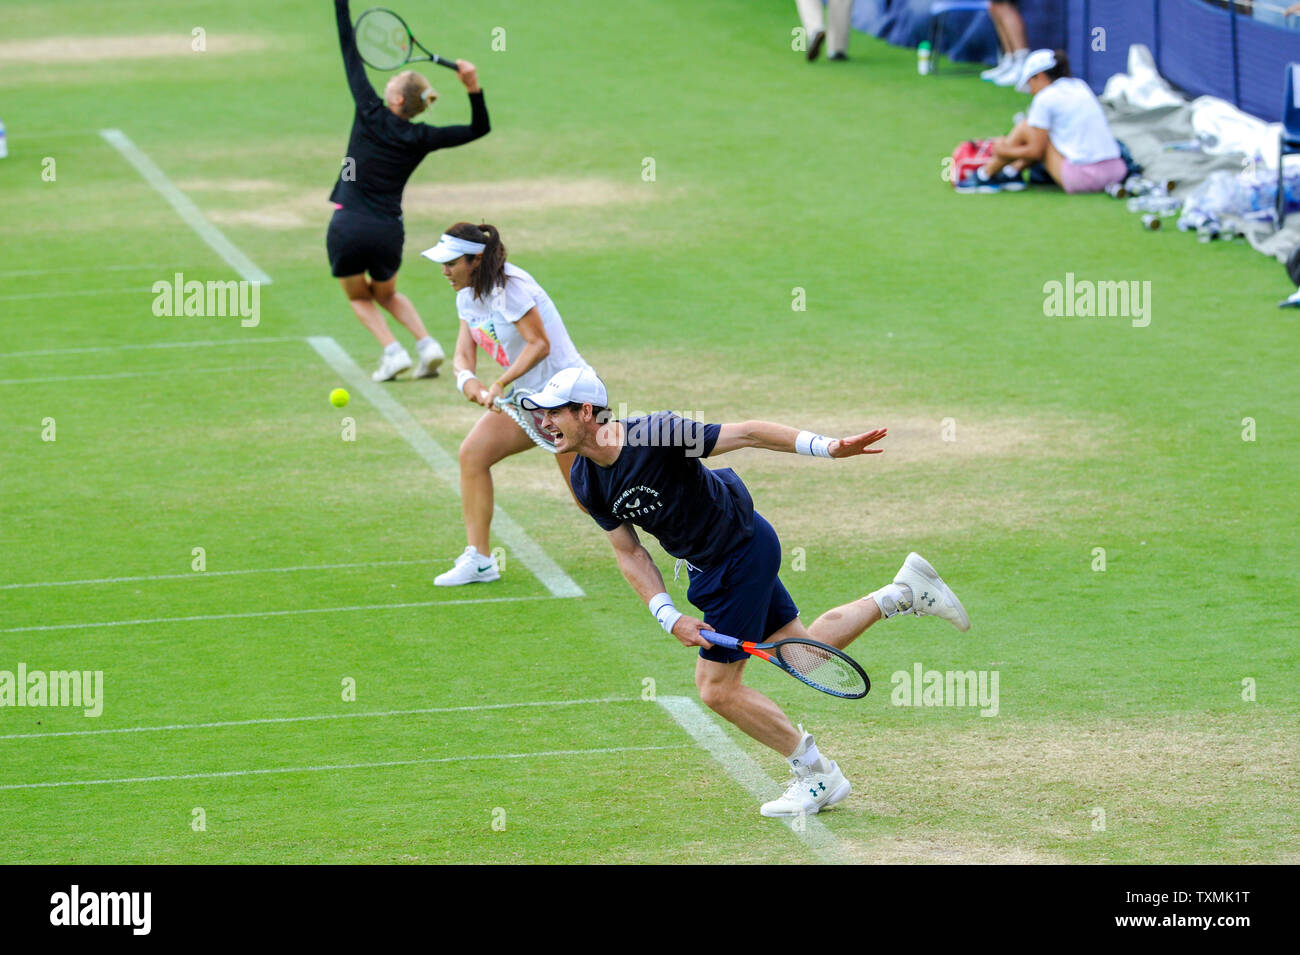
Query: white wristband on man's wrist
x=462, y=377
x=662, y=609
x=817, y=445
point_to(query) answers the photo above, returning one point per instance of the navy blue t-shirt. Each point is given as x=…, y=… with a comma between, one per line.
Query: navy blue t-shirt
x=659, y=483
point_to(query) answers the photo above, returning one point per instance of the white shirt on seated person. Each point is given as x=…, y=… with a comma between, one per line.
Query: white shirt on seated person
x=1075, y=123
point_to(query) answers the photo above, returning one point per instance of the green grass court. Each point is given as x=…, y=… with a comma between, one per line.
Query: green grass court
x=510, y=724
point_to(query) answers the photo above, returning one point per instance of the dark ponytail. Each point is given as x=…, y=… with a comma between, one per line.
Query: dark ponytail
x=491, y=271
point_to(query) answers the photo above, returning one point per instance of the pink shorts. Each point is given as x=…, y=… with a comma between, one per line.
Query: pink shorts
x=1093, y=176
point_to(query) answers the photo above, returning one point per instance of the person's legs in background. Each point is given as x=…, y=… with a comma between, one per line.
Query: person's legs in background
x=1015, y=43
x=814, y=25
x=837, y=39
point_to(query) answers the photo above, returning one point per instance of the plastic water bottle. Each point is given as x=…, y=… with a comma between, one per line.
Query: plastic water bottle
x=4, y=145
x=923, y=58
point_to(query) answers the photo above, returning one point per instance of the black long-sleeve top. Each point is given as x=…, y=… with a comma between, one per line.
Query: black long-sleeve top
x=384, y=149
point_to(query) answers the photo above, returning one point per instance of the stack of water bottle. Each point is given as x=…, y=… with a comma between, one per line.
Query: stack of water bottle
x=1148, y=196
x=1250, y=195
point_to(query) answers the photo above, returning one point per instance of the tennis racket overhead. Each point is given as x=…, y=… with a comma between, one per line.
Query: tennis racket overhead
x=820, y=666
x=385, y=42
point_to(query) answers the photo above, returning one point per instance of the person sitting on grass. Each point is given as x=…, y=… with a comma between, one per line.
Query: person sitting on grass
x=1065, y=130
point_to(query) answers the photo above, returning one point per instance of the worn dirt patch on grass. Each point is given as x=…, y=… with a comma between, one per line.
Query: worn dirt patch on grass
x=1019, y=792
x=90, y=49
x=443, y=203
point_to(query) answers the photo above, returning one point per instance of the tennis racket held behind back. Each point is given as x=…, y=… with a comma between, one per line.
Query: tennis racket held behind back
x=820, y=666
x=385, y=42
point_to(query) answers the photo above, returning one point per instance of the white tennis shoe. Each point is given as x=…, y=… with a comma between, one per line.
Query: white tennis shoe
x=995, y=72
x=810, y=793
x=1011, y=75
x=431, y=358
x=930, y=595
x=471, y=567
x=390, y=366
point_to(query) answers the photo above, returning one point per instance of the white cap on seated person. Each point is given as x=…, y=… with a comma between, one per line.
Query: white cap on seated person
x=571, y=386
x=1037, y=62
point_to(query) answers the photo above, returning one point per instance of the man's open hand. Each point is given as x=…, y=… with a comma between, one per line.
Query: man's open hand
x=858, y=444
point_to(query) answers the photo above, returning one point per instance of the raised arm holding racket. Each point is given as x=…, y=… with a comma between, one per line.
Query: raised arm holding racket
x=366, y=233
x=648, y=473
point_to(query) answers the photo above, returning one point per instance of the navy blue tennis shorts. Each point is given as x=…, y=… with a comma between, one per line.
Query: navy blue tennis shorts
x=743, y=596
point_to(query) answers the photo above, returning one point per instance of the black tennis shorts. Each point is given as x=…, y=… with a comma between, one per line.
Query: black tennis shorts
x=361, y=242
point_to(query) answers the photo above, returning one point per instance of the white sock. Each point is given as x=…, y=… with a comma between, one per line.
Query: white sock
x=892, y=599
x=424, y=342
x=806, y=758
x=394, y=348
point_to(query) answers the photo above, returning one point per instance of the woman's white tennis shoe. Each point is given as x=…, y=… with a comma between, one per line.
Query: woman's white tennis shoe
x=471, y=567
x=391, y=365
x=431, y=359
x=810, y=793
x=930, y=595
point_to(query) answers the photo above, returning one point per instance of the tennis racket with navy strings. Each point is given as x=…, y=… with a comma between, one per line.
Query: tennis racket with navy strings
x=820, y=666
x=385, y=42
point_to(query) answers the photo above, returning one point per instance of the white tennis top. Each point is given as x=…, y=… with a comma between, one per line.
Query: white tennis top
x=492, y=323
x=1074, y=121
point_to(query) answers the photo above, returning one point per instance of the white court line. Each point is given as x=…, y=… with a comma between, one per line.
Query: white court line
x=444, y=465
x=195, y=574
x=339, y=766
x=740, y=767
x=185, y=207
x=138, y=290
x=140, y=374
x=198, y=344
x=266, y=721
x=266, y=613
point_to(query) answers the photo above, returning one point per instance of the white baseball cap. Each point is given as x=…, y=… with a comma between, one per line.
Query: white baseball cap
x=449, y=247
x=1035, y=63
x=577, y=385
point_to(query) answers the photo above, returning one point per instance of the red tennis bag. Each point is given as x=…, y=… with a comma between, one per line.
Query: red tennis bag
x=969, y=156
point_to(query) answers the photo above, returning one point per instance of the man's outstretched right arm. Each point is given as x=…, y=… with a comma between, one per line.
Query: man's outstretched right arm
x=641, y=572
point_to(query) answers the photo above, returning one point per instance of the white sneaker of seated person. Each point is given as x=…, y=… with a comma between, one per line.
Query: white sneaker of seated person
x=471, y=567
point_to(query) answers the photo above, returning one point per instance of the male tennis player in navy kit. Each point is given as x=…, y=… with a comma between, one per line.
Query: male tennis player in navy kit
x=647, y=472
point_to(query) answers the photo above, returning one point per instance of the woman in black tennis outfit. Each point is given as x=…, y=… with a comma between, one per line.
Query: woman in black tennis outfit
x=366, y=232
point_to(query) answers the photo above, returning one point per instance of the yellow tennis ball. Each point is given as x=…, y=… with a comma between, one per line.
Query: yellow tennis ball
x=338, y=397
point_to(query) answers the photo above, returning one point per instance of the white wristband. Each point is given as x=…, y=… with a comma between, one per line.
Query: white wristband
x=462, y=377
x=816, y=445
x=661, y=607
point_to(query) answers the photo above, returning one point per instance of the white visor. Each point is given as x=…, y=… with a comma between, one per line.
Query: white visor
x=449, y=247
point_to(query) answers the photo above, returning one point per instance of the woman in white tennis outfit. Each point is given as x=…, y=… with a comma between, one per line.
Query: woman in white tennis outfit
x=506, y=313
